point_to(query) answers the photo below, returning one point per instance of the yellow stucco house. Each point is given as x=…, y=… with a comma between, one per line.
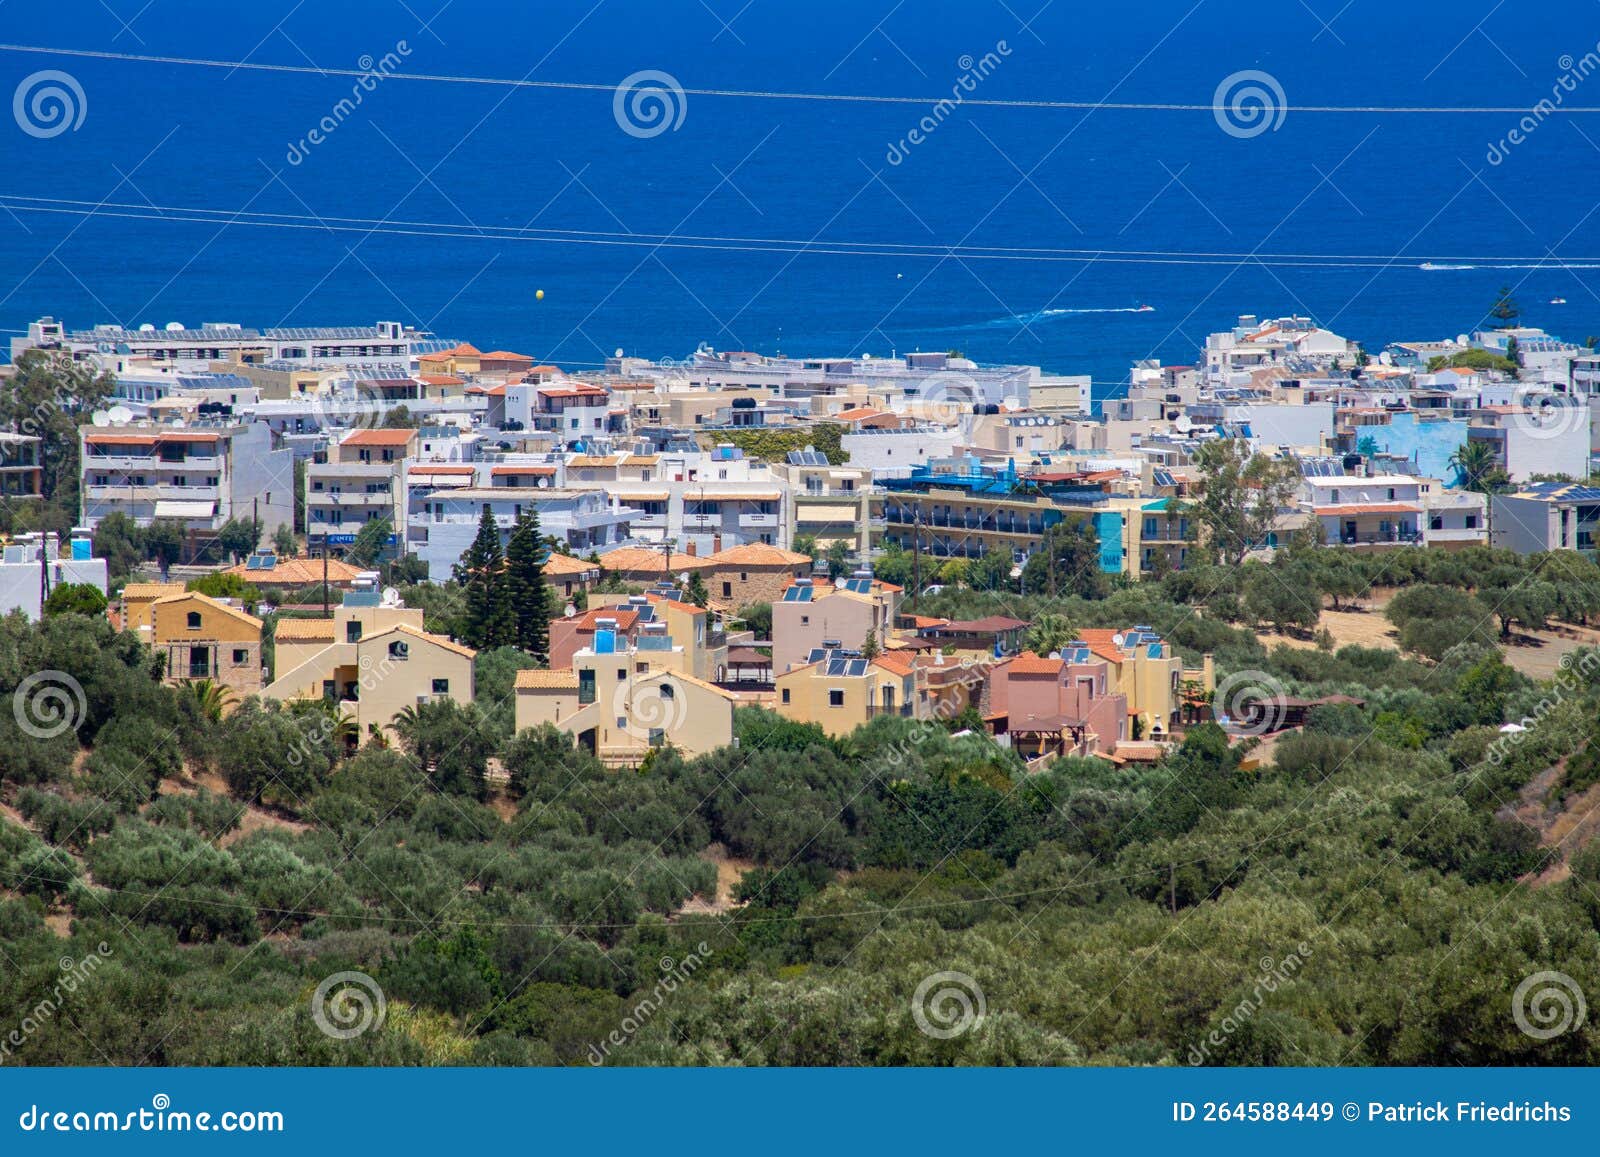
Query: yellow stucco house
x=1146, y=669
x=372, y=658
x=621, y=698
x=138, y=598
x=840, y=690
x=204, y=638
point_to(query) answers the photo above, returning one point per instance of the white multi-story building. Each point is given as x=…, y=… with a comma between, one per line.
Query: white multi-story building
x=1295, y=343
x=200, y=474
x=708, y=501
x=355, y=481
x=1394, y=510
x=383, y=345
x=445, y=521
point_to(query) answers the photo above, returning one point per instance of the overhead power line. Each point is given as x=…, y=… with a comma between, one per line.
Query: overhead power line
x=763, y=94
x=194, y=214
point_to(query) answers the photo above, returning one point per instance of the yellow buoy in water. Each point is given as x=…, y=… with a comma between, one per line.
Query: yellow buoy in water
x=538, y=294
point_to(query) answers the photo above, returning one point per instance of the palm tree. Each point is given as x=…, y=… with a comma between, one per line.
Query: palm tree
x=407, y=724
x=213, y=699
x=1479, y=467
x=1050, y=632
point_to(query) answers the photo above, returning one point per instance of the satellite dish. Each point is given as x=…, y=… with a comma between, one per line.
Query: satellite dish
x=391, y=597
x=147, y=328
x=120, y=414
x=572, y=609
x=174, y=327
x=1055, y=654
x=1182, y=424
x=1117, y=639
x=100, y=418
x=618, y=353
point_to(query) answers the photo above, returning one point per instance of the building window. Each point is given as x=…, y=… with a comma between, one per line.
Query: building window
x=399, y=650
x=785, y=696
x=240, y=656
x=352, y=632
x=667, y=692
x=727, y=590
x=194, y=620
x=441, y=686
x=586, y=692
x=835, y=698
x=1472, y=522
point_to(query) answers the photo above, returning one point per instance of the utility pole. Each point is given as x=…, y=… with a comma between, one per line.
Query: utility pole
x=326, y=613
x=916, y=558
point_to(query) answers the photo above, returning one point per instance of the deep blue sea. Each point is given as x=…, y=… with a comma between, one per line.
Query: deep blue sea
x=1394, y=189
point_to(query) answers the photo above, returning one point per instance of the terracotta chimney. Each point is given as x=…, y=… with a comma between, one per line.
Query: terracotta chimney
x=690, y=549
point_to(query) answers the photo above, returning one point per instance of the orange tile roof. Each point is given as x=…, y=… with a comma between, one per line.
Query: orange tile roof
x=642, y=558
x=567, y=564
x=505, y=471
x=536, y=680
x=304, y=630
x=1029, y=663
x=379, y=438
x=898, y=664
x=758, y=554
x=435, y=468
x=506, y=356
x=441, y=380
x=295, y=572
x=1371, y=508
x=1099, y=640
x=587, y=620
x=464, y=350
x=151, y=590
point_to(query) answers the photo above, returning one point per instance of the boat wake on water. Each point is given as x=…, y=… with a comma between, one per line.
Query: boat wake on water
x=1034, y=317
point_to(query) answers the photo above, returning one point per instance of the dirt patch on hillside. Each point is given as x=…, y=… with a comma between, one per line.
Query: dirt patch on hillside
x=255, y=820
x=729, y=871
x=1537, y=654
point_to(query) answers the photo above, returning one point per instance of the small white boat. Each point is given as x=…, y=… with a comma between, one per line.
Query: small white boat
x=1558, y=301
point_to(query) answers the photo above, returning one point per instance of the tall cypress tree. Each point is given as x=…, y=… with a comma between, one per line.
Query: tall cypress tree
x=488, y=621
x=527, y=591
